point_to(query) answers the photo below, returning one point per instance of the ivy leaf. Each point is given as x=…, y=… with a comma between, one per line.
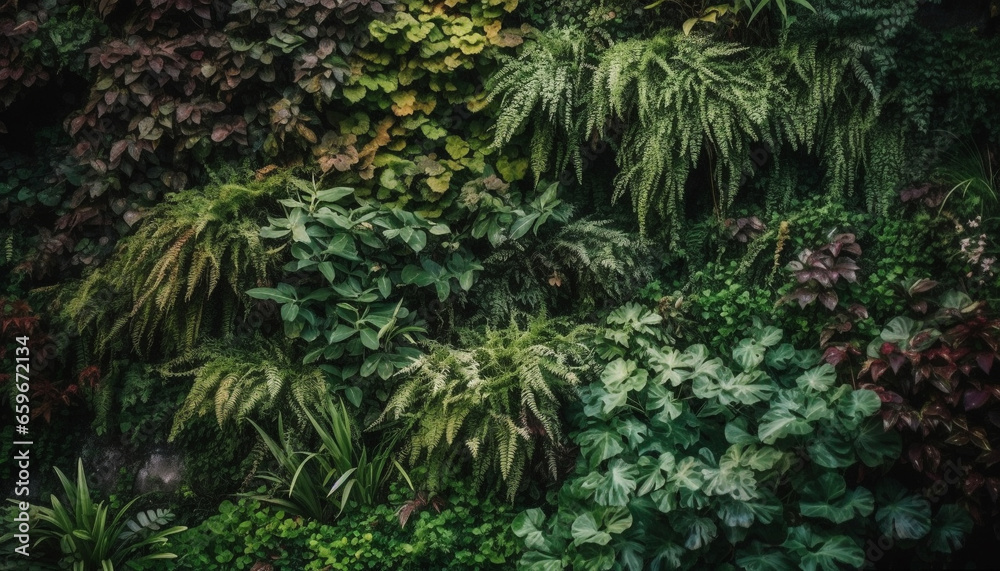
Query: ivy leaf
x=902, y=515
x=585, y=530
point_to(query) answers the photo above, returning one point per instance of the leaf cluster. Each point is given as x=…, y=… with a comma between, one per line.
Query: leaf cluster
x=495, y=403
x=688, y=461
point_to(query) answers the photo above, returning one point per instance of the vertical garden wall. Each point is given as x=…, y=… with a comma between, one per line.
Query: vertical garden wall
x=498, y=284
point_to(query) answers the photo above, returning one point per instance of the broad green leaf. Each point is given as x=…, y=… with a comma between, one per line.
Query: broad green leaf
x=585, y=530
x=768, y=336
x=663, y=401
x=745, y=388
x=949, y=529
x=817, y=379
x=837, y=549
x=669, y=365
x=600, y=444
x=827, y=497
x=667, y=557
x=617, y=520
x=270, y=293
x=780, y=357
x=903, y=515
x=540, y=561
x=701, y=532
x=860, y=404
x=687, y=474
x=613, y=401
x=528, y=526
x=623, y=376
x=613, y=487
x=781, y=421
x=760, y=558
x=898, y=330
x=831, y=450
x=369, y=338
x=414, y=275
x=353, y=395
x=875, y=445
x=522, y=225
x=334, y=194
x=652, y=472
x=748, y=354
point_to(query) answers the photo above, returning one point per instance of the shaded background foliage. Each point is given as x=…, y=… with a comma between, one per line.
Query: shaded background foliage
x=832, y=171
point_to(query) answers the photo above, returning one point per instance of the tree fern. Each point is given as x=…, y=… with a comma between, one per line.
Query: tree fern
x=234, y=383
x=163, y=284
x=495, y=402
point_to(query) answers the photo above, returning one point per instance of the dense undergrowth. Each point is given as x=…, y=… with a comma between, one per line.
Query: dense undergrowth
x=497, y=284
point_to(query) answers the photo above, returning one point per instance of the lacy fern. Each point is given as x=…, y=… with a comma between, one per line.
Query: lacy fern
x=162, y=285
x=544, y=88
x=496, y=402
x=237, y=382
x=688, y=102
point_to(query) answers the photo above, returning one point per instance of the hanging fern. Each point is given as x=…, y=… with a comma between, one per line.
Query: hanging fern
x=545, y=89
x=237, y=382
x=688, y=101
x=188, y=264
x=498, y=402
